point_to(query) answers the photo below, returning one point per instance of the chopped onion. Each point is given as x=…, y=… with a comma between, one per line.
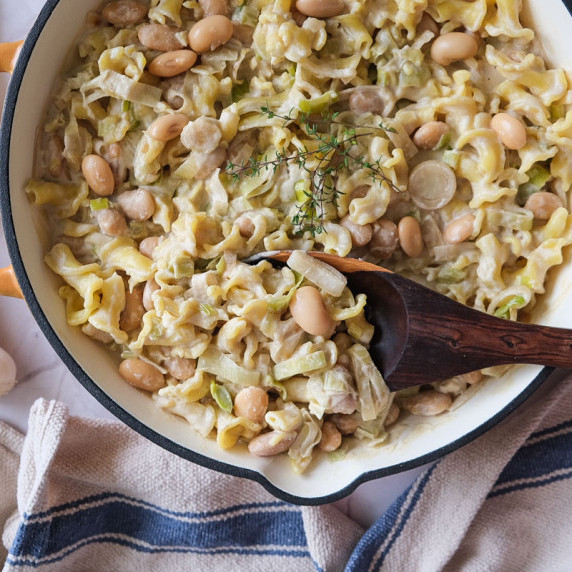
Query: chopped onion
x=401, y=140
x=324, y=276
x=432, y=184
x=300, y=364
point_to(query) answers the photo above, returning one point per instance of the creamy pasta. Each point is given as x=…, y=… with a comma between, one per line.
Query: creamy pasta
x=429, y=136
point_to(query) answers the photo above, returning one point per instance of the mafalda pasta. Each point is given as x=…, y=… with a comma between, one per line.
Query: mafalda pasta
x=428, y=136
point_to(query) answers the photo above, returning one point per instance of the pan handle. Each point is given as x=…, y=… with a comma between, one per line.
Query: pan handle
x=8, y=55
x=8, y=284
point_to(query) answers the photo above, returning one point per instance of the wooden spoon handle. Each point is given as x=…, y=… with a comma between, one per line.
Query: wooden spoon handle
x=446, y=337
x=513, y=342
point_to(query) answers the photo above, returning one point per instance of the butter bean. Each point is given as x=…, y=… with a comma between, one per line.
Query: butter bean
x=159, y=37
x=172, y=63
x=510, y=130
x=148, y=245
x=180, y=368
x=429, y=134
x=141, y=374
x=111, y=222
x=98, y=175
x=210, y=33
x=252, y=403
x=167, y=127
x=360, y=233
x=138, y=205
x=453, y=47
x=428, y=403
x=331, y=437
x=133, y=311
x=271, y=443
x=346, y=424
x=543, y=204
x=459, y=229
x=309, y=312
x=384, y=239
x=367, y=100
x=150, y=288
x=320, y=8
x=124, y=13
x=410, y=236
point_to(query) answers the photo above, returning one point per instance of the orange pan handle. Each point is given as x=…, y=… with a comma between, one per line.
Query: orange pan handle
x=8, y=284
x=8, y=55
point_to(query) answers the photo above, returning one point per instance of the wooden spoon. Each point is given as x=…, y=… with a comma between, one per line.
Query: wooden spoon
x=422, y=336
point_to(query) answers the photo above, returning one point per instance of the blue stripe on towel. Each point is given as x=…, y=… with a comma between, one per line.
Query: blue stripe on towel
x=268, y=528
x=388, y=528
x=544, y=453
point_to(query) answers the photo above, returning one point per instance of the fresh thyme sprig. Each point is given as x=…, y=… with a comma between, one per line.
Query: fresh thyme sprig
x=334, y=154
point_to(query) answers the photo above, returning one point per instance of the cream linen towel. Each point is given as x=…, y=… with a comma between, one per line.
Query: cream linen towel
x=93, y=495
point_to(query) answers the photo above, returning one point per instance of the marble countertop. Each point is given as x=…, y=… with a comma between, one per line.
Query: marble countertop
x=41, y=373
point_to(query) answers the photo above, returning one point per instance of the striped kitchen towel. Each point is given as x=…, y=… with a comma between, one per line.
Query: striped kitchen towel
x=94, y=495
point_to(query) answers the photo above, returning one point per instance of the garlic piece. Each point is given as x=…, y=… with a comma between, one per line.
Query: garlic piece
x=7, y=372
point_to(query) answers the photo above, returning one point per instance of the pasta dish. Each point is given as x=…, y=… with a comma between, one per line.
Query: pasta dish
x=429, y=136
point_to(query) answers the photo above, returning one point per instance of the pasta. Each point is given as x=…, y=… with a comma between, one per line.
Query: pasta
x=426, y=135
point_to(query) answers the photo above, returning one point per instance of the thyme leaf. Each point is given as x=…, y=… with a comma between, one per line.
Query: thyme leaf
x=333, y=152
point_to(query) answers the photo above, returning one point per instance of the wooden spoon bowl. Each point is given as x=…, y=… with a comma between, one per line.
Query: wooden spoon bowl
x=422, y=336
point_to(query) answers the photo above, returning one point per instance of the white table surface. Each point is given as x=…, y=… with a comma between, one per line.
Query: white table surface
x=40, y=371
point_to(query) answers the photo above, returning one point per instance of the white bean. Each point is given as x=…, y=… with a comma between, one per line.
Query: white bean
x=148, y=245
x=543, y=204
x=429, y=134
x=510, y=130
x=428, y=403
x=124, y=13
x=141, y=374
x=159, y=37
x=133, y=311
x=459, y=229
x=180, y=368
x=331, y=437
x=309, y=312
x=170, y=64
x=320, y=8
x=98, y=175
x=252, y=403
x=168, y=127
x=272, y=443
x=138, y=205
x=410, y=236
x=361, y=233
x=111, y=222
x=210, y=33
x=384, y=239
x=150, y=288
x=453, y=47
